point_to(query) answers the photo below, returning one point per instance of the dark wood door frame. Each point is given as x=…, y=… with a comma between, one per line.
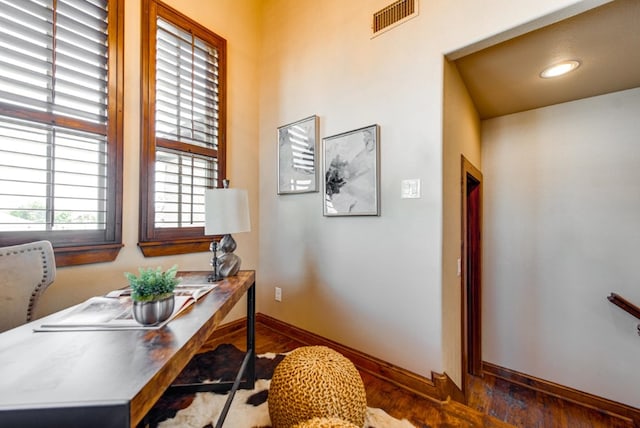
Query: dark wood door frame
x=471, y=271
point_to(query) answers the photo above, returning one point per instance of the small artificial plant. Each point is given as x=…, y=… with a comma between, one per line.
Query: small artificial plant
x=152, y=284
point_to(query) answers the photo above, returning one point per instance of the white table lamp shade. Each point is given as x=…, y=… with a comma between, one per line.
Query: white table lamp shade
x=226, y=211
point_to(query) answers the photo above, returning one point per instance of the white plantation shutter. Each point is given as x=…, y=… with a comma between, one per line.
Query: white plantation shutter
x=187, y=125
x=54, y=61
x=181, y=179
x=53, y=115
x=51, y=178
x=186, y=88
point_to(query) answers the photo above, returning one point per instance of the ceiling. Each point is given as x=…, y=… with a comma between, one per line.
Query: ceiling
x=504, y=78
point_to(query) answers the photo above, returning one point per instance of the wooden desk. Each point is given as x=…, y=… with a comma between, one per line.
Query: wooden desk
x=109, y=378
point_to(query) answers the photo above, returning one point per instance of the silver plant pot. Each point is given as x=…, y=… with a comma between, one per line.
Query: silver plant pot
x=153, y=312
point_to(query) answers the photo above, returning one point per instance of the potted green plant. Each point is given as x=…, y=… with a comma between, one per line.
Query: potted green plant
x=152, y=294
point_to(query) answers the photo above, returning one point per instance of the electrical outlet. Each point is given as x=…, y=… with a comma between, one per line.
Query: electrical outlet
x=278, y=294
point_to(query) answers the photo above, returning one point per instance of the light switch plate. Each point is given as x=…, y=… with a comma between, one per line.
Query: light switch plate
x=410, y=188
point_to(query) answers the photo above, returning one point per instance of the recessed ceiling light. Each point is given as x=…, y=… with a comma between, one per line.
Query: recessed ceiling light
x=559, y=69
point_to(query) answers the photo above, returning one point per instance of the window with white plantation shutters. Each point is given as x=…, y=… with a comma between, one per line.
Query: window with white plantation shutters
x=181, y=179
x=183, y=140
x=60, y=136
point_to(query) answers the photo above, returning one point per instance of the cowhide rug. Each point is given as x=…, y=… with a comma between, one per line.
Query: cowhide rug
x=249, y=407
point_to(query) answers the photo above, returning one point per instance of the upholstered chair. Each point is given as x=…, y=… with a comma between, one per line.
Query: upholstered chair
x=26, y=270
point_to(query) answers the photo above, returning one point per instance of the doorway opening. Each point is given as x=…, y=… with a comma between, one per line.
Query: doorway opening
x=471, y=271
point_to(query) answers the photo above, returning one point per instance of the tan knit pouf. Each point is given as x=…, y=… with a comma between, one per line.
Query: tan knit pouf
x=325, y=423
x=316, y=382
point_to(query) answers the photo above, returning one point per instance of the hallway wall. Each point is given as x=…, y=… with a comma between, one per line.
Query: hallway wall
x=561, y=217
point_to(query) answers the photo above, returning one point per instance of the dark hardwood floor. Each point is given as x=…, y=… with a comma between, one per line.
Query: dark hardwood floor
x=524, y=407
x=492, y=402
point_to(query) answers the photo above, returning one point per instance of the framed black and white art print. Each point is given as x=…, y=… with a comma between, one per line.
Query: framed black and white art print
x=351, y=164
x=297, y=161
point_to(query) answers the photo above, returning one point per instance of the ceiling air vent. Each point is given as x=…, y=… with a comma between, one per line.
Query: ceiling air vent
x=394, y=15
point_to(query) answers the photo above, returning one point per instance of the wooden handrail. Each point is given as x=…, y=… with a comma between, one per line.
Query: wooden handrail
x=625, y=305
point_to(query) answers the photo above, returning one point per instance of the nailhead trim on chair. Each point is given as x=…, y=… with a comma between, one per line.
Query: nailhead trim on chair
x=36, y=292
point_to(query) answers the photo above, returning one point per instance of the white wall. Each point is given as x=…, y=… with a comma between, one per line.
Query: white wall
x=372, y=283
x=238, y=22
x=562, y=231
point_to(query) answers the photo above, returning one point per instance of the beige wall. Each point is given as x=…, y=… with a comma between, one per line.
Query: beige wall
x=460, y=136
x=372, y=283
x=238, y=22
x=562, y=204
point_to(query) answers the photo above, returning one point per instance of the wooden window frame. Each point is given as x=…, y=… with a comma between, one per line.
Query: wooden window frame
x=85, y=247
x=155, y=241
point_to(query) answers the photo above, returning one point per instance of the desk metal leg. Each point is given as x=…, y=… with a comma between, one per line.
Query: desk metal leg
x=232, y=392
x=247, y=369
x=249, y=363
x=251, y=336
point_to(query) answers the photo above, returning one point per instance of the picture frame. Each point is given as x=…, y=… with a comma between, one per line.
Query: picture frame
x=297, y=159
x=351, y=173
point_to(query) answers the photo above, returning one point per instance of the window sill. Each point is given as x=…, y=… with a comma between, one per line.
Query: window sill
x=72, y=256
x=173, y=247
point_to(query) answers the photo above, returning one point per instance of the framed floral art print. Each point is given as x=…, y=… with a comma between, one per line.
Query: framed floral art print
x=351, y=165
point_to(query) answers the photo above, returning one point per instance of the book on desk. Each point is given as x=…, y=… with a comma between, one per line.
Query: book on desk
x=113, y=311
